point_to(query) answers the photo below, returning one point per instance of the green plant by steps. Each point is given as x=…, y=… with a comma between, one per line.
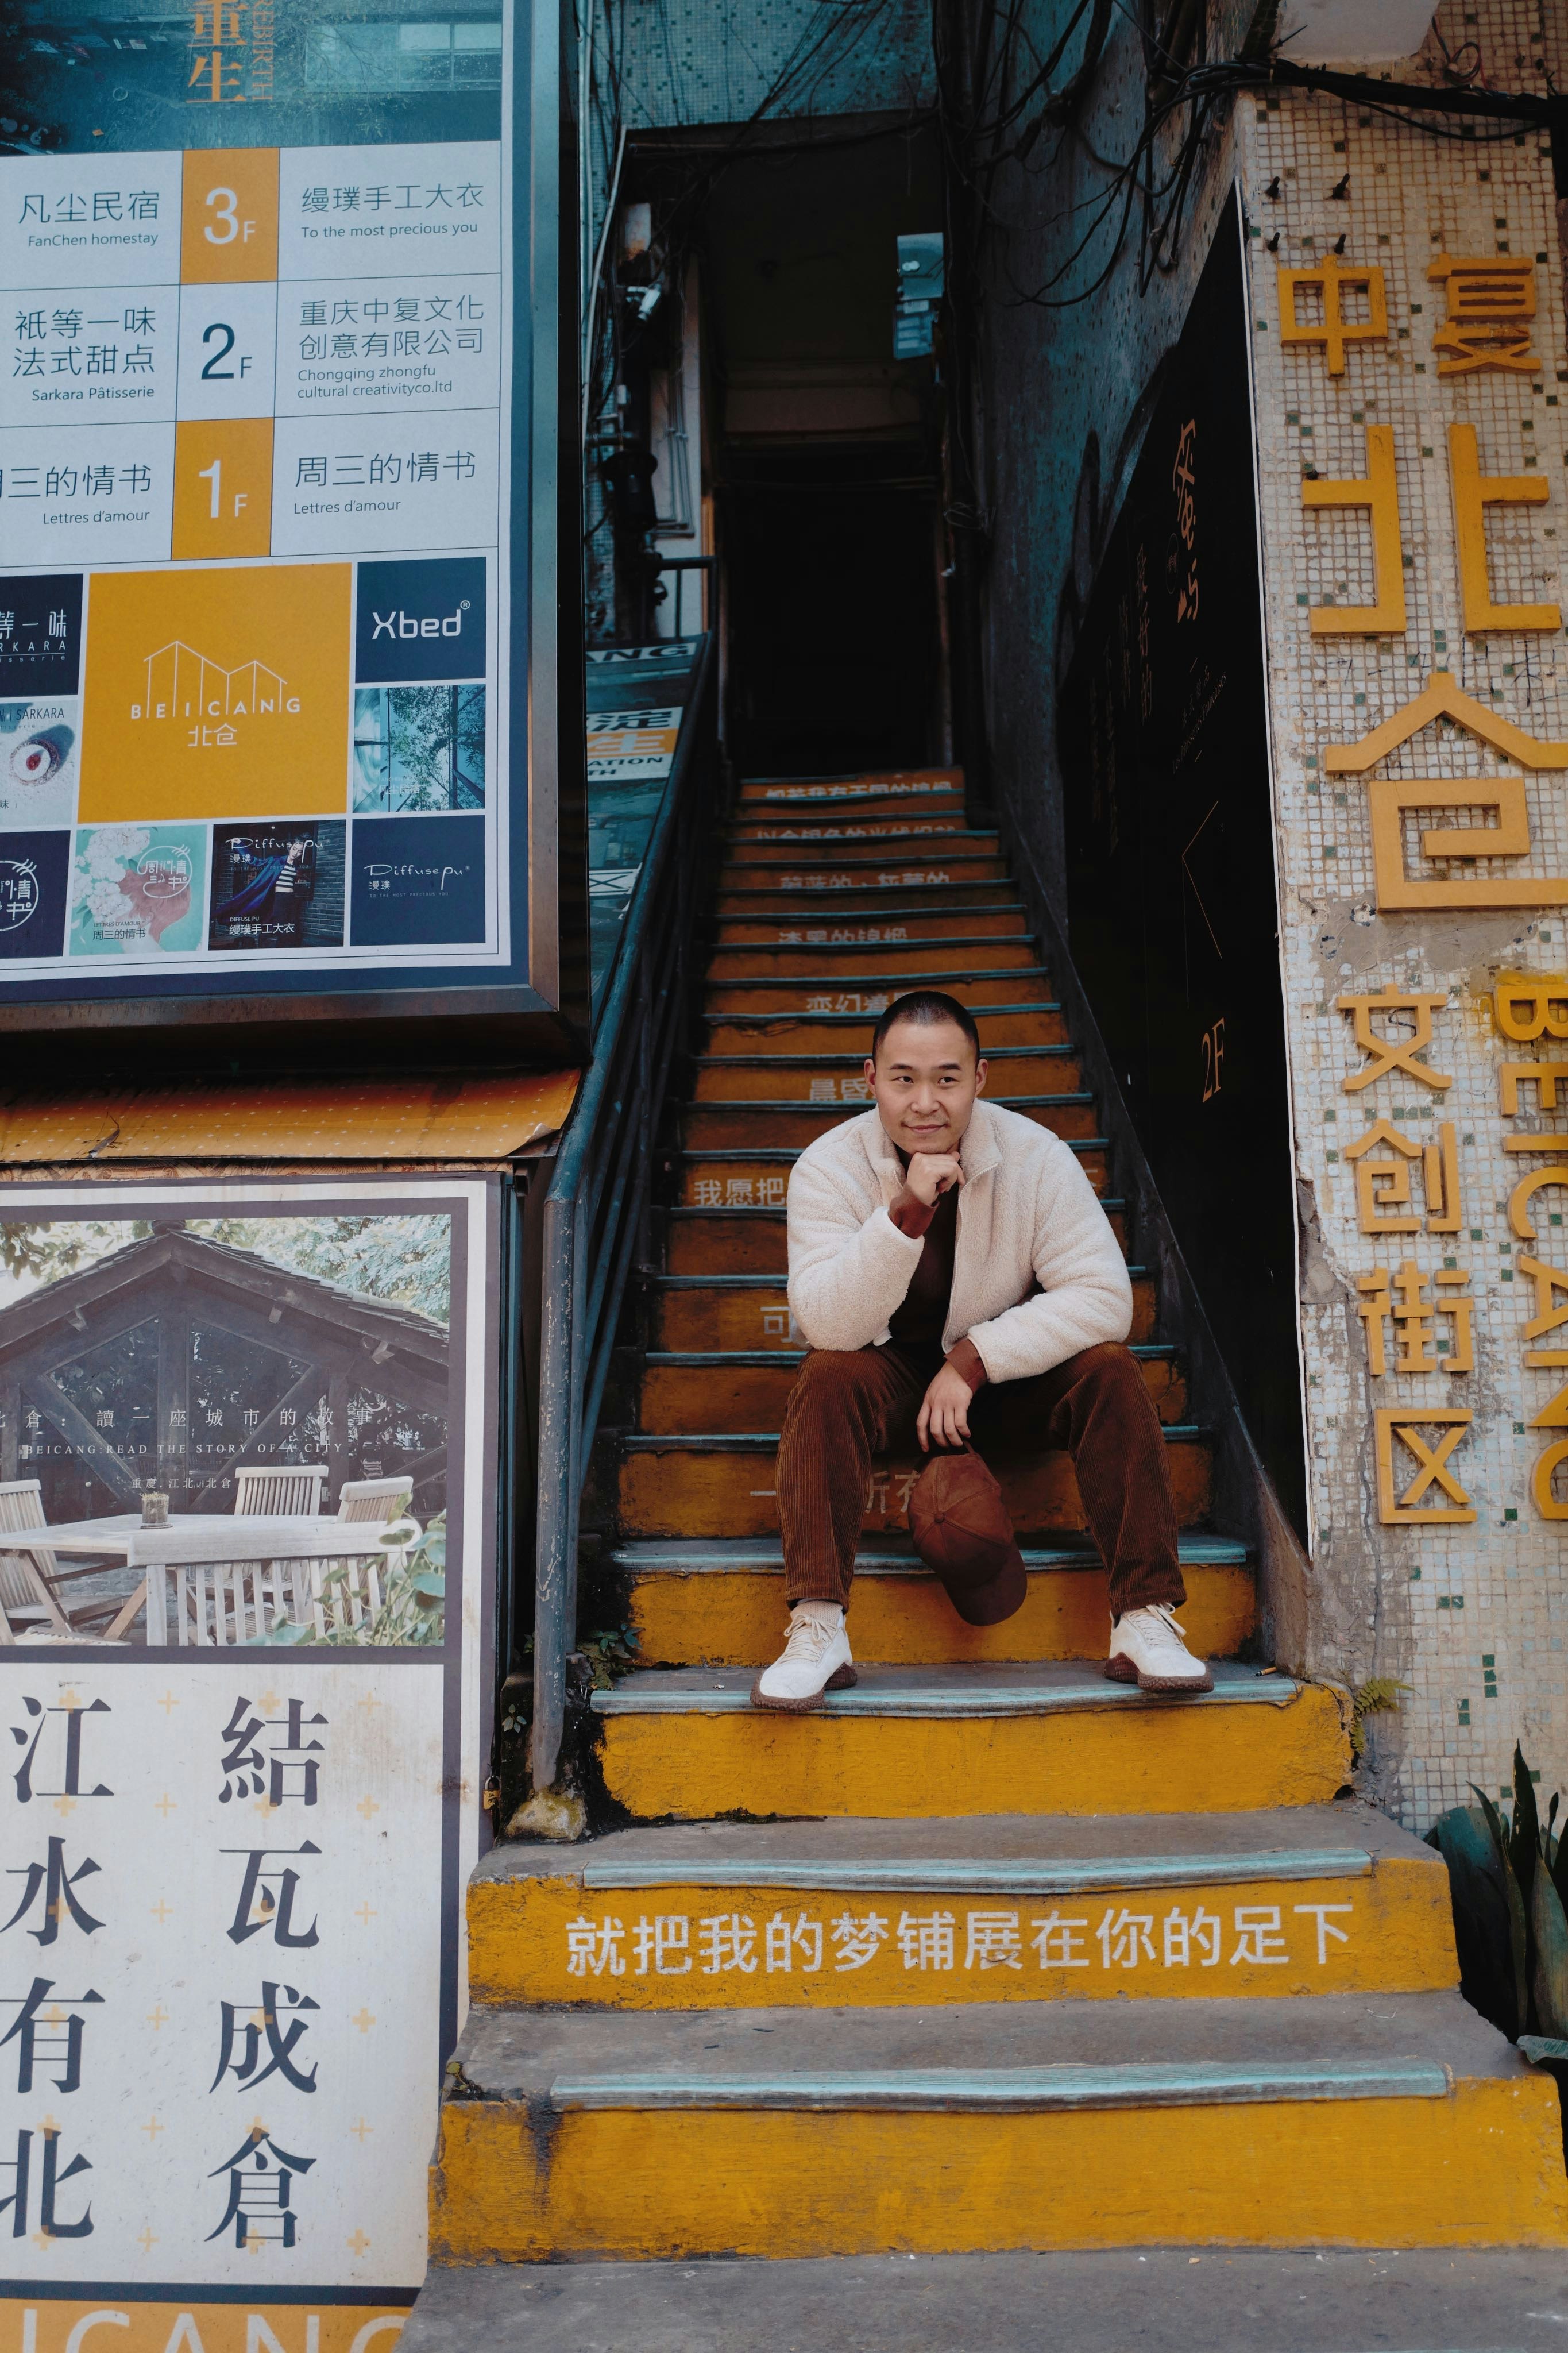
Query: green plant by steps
x=1379, y=1695
x=413, y=1598
x=1508, y=1881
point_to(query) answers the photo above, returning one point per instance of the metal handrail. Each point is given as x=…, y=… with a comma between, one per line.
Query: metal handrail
x=594, y=1209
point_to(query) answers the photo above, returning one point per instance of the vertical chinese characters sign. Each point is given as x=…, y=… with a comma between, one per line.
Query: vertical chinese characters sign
x=255, y=557
x=234, y=1836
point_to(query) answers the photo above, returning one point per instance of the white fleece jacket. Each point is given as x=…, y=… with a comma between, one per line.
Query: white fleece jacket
x=1027, y=1215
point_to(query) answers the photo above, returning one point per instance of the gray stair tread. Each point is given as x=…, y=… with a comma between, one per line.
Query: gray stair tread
x=898, y=981
x=1032, y=1852
x=702, y=1104
x=784, y=1153
x=764, y=1282
x=857, y=1021
x=849, y=947
x=761, y=1442
x=728, y=1555
x=1028, y=2053
x=836, y=1061
x=1046, y=1688
x=1289, y=2300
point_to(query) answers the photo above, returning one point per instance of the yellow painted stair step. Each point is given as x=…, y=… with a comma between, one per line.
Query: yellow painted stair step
x=798, y=1915
x=733, y=1616
x=869, y=962
x=671, y=1487
x=1055, y=1738
x=1394, y=2121
x=752, y=1312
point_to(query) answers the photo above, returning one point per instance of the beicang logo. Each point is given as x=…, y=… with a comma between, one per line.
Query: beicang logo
x=183, y=685
x=18, y=892
x=399, y=624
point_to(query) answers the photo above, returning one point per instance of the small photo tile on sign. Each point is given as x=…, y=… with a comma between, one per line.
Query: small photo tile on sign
x=418, y=748
x=40, y=633
x=33, y=870
x=419, y=882
x=138, y=889
x=419, y=620
x=278, y=885
x=38, y=761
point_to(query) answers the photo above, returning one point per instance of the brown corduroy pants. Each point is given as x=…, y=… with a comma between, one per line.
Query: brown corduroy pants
x=849, y=1404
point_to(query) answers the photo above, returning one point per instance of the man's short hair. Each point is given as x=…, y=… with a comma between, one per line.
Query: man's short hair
x=926, y=1007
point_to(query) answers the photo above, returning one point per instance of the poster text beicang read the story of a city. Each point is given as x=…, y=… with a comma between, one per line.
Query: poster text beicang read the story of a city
x=254, y=486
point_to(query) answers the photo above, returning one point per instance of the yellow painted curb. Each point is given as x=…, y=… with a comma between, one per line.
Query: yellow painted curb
x=1112, y=1760
x=694, y=1947
x=1483, y=2168
x=720, y=1619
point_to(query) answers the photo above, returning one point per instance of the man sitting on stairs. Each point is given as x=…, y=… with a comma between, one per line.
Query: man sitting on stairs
x=949, y=1265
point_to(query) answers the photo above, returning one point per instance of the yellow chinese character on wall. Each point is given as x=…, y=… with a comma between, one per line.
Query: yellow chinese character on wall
x=1491, y=302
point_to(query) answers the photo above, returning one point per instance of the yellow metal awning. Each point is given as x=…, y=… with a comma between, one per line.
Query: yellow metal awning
x=456, y=1118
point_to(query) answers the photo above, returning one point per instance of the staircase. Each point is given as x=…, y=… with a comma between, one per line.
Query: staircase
x=991, y=1953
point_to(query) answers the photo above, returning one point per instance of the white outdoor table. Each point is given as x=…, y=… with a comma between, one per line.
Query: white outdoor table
x=193, y=1538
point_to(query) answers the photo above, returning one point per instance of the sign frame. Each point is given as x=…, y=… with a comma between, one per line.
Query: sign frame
x=534, y=1007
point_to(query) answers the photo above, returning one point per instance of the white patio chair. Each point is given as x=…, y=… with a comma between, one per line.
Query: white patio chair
x=29, y=1603
x=284, y=1490
x=349, y=1590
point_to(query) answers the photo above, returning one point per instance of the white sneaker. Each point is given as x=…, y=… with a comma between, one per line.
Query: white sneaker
x=815, y=1660
x=1147, y=1649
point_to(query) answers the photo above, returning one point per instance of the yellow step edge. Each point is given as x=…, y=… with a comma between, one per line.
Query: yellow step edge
x=1173, y=1759
x=1481, y=2167
x=735, y=1619
x=685, y=1946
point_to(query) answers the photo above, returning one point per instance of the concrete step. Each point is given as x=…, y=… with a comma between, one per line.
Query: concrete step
x=741, y=1916
x=839, y=930
x=748, y=1389
x=724, y=1483
x=731, y=1124
x=947, y=859
x=905, y=891
x=751, y=1311
x=1022, y=1069
x=1354, y=2119
x=848, y=826
x=844, y=840
x=765, y=1171
x=719, y=1602
x=1305, y=2300
x=823, y=1030
x=875, y=959
x=871, y=993
x=752, y=1241
x=1053, y=1738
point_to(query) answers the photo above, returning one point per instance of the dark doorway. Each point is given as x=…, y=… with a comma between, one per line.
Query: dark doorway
x=823, y=450
x=831, y=560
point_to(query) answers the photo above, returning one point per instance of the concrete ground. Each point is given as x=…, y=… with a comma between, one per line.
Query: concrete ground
x=1425, y=2302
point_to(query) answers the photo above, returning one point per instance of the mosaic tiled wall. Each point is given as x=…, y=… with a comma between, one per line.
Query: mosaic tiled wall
x=1469, y=1610
x=1433, y=1354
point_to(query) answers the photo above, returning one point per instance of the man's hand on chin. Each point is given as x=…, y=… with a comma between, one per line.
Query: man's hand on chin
x=930, y=1175
x=945, y=1411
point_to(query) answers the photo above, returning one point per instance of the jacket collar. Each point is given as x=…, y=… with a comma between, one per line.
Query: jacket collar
x=979, y=1153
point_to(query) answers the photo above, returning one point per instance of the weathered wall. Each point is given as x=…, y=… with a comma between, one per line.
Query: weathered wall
x=1467, y=1606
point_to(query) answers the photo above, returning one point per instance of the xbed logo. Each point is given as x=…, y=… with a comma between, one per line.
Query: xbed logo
x=420, y=620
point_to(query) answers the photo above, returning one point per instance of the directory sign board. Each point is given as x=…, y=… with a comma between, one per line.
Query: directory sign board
x=265, y=527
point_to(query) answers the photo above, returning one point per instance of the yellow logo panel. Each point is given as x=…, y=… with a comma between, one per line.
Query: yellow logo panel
x=216, y=694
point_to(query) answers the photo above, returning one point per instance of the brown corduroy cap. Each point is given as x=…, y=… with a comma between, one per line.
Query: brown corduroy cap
x=961, y=1529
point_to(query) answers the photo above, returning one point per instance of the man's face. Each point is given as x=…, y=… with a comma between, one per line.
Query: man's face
x=924, y=1081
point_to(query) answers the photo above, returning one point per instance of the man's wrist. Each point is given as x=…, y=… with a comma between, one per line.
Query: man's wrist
x=967, y=1362
x=911, y=1214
